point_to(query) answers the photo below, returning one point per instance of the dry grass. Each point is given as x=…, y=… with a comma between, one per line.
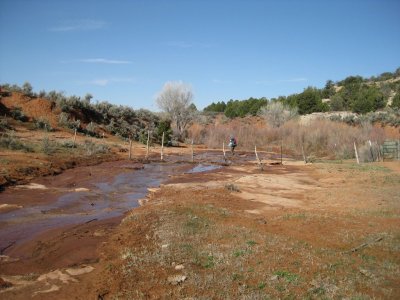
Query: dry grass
x=319, y=138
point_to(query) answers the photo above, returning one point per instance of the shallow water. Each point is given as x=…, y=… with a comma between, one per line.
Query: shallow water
x=101, y=200
x=203, y=168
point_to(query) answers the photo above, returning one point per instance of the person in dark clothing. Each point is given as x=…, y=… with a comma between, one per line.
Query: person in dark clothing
x=232, y=144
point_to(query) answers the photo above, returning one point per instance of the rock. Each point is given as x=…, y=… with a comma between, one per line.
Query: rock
x=5, y=258
x=56, y=275
x=366, y=273
x=79, y=271
x=53, y=288
x=274, y=277
x=179, y=267
x=32, y=186
x=9, y=207
x=81, y=190
x=176, y=279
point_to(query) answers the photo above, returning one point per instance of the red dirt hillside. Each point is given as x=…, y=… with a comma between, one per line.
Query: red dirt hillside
x=33, y=108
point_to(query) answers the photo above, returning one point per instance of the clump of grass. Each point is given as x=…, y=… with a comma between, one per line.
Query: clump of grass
x=11, y=142
x=48, y=147
x=92, y=148
x=232, y=187
x=4, y=124
x=68, y=144
x=289, y=277
x=300, y=216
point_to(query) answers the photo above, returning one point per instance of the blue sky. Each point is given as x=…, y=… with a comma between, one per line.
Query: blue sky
x=124, y=51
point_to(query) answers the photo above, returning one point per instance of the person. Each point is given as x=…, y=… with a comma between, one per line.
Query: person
x=232, y=144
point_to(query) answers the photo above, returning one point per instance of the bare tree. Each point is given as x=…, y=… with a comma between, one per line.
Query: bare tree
x=175, y=99
x=276, y=113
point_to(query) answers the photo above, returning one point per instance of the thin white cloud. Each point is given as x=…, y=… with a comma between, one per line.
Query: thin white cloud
x=272, y=82
x=79, y=25
x=107, y=81
x=104, y=61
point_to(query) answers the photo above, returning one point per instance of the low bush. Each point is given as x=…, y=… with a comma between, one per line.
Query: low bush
x=48, y=147
x=92, y=148
x=43, y=124
x=66, y=122
x=4, y=124
x=11, y=142
x=17, y=114
x=68, y=144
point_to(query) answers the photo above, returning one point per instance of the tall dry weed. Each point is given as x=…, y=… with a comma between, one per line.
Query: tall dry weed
x=319, y=138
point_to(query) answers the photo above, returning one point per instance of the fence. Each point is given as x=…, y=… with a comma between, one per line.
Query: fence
x=391, y=150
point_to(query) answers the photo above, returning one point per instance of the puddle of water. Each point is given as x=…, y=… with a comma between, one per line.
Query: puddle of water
x=102, y=200
x=203, y=168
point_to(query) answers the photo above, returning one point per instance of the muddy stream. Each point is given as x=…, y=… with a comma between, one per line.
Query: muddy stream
x=80, y=196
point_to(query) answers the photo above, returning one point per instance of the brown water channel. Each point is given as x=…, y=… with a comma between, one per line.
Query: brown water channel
x=63, y=200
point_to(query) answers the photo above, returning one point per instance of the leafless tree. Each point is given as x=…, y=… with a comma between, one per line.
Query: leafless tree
x=276, y=113
x=175, y=99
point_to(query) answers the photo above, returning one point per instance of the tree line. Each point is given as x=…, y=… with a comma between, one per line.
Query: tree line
x=354, y=93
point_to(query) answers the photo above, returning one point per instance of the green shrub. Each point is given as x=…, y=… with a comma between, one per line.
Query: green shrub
x=17, y=114
x=48, y=147
x=43, y=124
x=91, y=129
x=163, y=127
x=9, y=141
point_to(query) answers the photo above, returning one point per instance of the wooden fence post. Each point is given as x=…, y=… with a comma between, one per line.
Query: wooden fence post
x=223, y=150
x=304, y=155
x=74, y=137
x=281, y=155
x=162, y=146
x=258, y=159
x=379, y=152
x=192, y=152
x=355, y=150
x=130, y=148
x=398, y=150
x=371, y=150
x=147, y=147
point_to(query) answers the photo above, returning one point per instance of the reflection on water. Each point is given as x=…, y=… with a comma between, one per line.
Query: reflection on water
x=102, y=200
x=203, y=168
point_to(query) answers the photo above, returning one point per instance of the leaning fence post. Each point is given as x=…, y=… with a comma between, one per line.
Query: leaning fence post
x=355, y=150
x=147, y=147
x=162, y=146
x=258, y=159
